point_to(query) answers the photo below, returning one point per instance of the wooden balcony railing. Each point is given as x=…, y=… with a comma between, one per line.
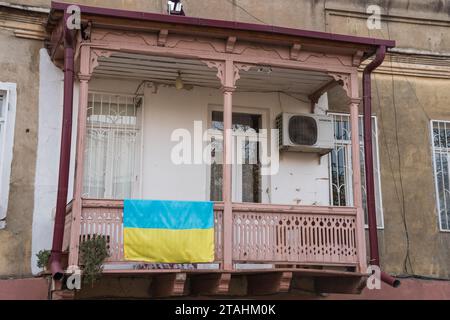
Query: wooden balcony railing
x=262, y=233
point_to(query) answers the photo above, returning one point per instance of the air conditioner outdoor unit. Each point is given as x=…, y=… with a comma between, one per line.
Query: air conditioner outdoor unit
x=305, y=132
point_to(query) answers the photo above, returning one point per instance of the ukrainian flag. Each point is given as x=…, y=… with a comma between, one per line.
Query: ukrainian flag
x=168, y=231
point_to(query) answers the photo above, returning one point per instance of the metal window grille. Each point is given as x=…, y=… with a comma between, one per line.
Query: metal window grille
x=3, y=110
x=340, y=165
x=112, y=154
x=441, y=156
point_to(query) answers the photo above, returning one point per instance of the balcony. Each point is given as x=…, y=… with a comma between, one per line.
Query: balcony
x=139, y=85
x=281, y=245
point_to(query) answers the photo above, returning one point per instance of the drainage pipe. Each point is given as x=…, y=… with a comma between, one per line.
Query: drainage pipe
x=64, y=158
x=368, y=159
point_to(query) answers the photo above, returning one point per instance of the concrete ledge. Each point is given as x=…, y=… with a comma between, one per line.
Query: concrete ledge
x=24, y=289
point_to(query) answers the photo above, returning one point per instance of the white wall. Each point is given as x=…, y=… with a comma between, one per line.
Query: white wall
x=47, y=164
x=302, y=178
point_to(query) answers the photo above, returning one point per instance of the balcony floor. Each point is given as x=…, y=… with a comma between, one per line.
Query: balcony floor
x=186, y=284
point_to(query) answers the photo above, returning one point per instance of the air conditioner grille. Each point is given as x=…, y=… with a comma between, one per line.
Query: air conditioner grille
x=303, y=130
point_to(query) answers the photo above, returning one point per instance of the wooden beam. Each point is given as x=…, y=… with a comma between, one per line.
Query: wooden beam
x=231, y=41
x=162, y=37
x=282, y=39
x=356, y=61
x=295, y=50
x=268, y=283
x=168, y=285
x=210, y=284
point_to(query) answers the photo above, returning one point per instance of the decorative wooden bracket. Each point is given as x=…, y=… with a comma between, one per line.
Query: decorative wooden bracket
x=168, y=285
x=211, y=284
x=162, y=37
x=269, y=283
x=357, y=58
x=95, y=54
x=342, y=79
x=227, y=84
x=231, y=42
x=238, y=67
x=295, y=51
x=220, y=66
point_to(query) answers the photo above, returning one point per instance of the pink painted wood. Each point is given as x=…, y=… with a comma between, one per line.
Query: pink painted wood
x=228, y=87
x=278, y=234
x=294, y=234
x=67, y=227
x=357, y=196
x=84, y=76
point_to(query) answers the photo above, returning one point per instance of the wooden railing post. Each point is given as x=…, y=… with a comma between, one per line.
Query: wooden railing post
x=84, y=77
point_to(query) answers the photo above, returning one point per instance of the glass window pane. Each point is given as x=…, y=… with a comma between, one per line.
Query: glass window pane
x=245, y=126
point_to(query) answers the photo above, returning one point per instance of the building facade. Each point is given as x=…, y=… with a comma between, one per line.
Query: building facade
x=410, y=131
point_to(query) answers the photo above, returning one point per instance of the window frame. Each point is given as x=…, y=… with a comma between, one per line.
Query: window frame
x=436, y=188
x=137, y=188
x=9, y=92
x=376, y=155
x=265, y=116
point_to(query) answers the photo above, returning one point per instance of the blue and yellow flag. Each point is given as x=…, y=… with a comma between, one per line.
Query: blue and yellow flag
x=168, y=231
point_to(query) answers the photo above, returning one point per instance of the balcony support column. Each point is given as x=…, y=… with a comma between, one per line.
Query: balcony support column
x=228, y=74
x=84, y=76
x=356, y=180
x=228, y=88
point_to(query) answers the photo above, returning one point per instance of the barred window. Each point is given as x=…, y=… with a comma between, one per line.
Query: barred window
x=7, y=121
x=112, y=153
x=340, y=166
x=441, y=156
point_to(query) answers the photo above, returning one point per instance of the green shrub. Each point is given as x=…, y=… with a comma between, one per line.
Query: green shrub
x=43, y=256
x=93, y=252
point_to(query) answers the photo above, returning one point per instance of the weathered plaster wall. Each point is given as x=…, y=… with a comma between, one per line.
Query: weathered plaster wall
x=411, y=241
x=19, y=64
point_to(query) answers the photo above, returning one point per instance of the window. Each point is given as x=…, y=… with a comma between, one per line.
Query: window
x=7, y=119
x=112, y=158
x=246, y=177
x=441, y=156
x=340, y=164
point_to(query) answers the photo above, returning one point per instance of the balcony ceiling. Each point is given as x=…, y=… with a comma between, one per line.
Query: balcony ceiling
x=196, y=73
